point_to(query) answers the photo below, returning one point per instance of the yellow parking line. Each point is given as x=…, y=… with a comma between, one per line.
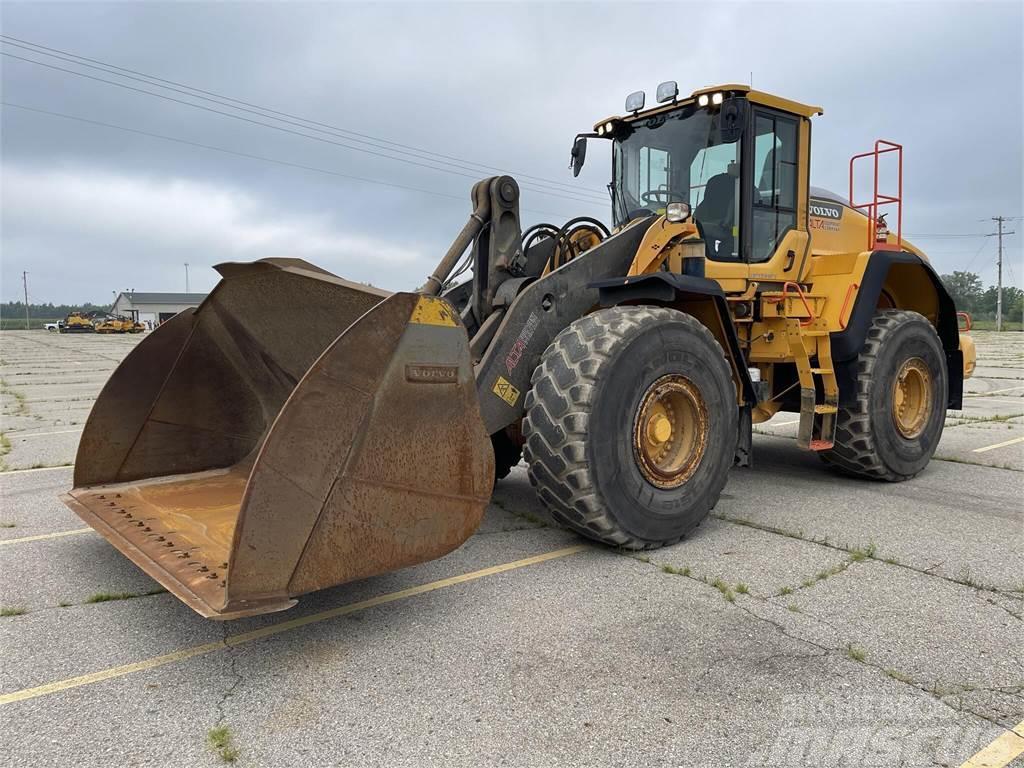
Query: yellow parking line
x=276, y=629
x=42, y=536
x=999, y=445
x=1001, y=751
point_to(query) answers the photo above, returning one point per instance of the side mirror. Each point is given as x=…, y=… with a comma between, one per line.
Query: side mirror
x=579, y=154
x=732, y=119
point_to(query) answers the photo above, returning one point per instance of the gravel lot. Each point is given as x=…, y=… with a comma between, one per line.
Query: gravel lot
x=813, y=620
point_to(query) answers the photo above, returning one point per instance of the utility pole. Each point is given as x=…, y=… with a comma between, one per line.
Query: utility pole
x=999, y=272
x=24, y=283
x=186, y=277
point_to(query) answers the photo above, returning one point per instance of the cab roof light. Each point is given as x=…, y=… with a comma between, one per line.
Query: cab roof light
x=667, y=91
x=635, y=101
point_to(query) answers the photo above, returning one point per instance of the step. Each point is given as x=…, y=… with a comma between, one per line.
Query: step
x=815, y=333
x=822, y=370
x=821, y=445
x=826, y=409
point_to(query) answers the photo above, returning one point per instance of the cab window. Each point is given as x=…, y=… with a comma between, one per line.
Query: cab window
x=775, y=183
x=680, y=157
x=714, y=192
x=654, y=169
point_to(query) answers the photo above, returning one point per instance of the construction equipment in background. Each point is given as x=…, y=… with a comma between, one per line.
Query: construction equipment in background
x=118, y=324
x=299, y=431
x=131, y=321
x=77, y=322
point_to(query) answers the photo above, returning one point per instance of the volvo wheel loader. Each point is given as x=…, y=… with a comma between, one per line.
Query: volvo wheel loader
x=242, y=462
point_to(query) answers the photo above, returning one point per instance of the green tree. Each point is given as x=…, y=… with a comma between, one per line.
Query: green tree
x=1012, y=301
x=966, y=290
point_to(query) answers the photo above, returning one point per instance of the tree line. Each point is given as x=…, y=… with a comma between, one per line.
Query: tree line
x=972, y=296
x=14, y=310
x=966, y=288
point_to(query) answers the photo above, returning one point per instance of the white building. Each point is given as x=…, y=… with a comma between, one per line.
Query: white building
x=155, y=308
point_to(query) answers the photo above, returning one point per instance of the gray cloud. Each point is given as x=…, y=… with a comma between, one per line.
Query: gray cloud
x=88, y=210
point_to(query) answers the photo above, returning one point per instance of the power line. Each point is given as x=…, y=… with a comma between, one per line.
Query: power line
x=107, y=67
x=283, y=129
x=936, y=236
x=977, y=253
x=269, y=113
x=262, y=158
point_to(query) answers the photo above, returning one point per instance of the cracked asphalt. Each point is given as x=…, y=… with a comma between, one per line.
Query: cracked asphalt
x=812, y=620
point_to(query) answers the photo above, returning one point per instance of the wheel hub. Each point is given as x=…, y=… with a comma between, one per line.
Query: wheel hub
x=670, y=431
x=912, y=397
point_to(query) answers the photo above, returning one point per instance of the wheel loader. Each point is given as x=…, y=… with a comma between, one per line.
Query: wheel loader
x=242, y=463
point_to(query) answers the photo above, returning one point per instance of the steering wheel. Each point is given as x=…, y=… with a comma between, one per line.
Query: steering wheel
x=659, y=196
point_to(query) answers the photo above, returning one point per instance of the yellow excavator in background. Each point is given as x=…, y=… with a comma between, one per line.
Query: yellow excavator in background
x=298, y=431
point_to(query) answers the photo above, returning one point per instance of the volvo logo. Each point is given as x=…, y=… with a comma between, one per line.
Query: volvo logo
x=432, y=374
x=826, y=210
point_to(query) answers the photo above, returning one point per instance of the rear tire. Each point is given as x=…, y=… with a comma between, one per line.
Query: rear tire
x=589, y=411
x=892, y=430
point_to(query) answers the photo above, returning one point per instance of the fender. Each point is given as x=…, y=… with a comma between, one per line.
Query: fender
x=670, y=289
x=846, y=344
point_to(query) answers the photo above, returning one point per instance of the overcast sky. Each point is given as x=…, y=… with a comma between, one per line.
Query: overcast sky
x=89, y=210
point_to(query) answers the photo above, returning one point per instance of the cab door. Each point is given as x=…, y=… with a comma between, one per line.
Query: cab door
x=776, y=239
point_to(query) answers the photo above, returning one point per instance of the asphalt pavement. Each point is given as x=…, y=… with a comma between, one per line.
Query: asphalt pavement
x=812, y=620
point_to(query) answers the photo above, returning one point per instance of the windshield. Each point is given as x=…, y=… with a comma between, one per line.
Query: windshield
x=678, y=157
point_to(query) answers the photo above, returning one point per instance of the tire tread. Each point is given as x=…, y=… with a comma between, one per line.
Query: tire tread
x=557, y=414
x=855, y=451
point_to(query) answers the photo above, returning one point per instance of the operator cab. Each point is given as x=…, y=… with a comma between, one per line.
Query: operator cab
x=736, y=157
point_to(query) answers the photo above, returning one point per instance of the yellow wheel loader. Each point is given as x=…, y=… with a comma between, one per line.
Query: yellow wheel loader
x=242, y=463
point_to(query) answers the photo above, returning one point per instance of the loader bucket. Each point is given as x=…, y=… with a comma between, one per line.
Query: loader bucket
x=295, y=432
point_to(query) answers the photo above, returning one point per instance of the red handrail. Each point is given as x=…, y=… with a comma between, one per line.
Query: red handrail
x=871, y=208
x=967, y=321
x=800, y=292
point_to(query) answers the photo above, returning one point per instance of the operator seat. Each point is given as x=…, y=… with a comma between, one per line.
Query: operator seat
x=714, y=216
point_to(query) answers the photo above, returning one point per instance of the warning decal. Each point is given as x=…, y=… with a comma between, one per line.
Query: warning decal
x=504, y=389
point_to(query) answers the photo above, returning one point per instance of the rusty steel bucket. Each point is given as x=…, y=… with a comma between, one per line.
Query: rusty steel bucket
x=295, y=432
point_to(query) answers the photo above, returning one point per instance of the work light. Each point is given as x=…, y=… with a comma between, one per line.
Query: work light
x=667, y=91
x=635, y=101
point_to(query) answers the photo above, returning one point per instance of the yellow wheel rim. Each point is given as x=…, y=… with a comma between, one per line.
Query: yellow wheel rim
x=912, y=397
x=670, y=431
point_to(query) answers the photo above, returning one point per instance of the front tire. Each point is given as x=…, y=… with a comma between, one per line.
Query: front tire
x=893, y=428
x=631, y=426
